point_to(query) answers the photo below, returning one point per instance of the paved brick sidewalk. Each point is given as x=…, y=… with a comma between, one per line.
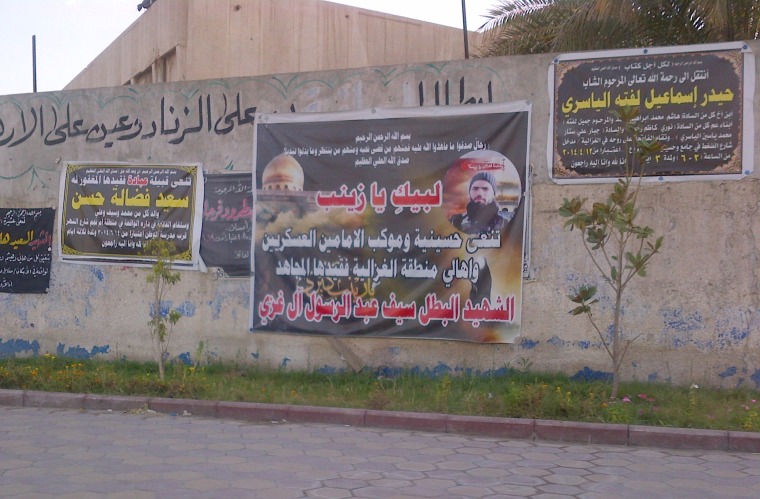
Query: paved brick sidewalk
x=49, y=452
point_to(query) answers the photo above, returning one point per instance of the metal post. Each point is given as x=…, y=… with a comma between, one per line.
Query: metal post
x=464, y=28
x=34, y=63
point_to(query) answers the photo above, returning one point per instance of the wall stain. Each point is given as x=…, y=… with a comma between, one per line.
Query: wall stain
x=677, y=321
x=239, y=296
x=731, y=371
x=756, y=378
x=21, y=313
x=185, y=358
x=216, y=307
x=96, y=286
x=581, y=344
x=186, y=309
x=329, y=370
x=730, y=335
x=557, y=341
x=11, y=348
x=680, y=330
x=438, y=371
x=163, y=309
x=528, y=344
x=588, y=374
x=79, y=352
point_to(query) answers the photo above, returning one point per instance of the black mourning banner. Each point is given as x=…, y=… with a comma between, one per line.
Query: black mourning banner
x=25, y=249
x=108, y=212
x=228, y=223
x=692, y=102
x=406, y=223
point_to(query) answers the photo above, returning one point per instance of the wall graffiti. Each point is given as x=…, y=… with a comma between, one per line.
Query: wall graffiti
x=174, y=119
x=173, y=122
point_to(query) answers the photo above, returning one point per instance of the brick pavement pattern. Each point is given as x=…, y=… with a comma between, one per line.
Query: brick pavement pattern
x=51, y=452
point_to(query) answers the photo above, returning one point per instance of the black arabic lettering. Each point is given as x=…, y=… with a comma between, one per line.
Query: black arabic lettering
x=23, y=124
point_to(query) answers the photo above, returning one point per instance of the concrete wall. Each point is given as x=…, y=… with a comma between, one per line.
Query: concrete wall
x=698, y=312
x=181, y=40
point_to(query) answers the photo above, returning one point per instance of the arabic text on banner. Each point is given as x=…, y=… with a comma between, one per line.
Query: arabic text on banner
x=108, y=211
x=228, y=223
x=367, y=225
x=692, y=102
x=25, y=249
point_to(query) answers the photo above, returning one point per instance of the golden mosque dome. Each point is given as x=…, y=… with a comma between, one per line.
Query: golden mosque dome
x=283, y=173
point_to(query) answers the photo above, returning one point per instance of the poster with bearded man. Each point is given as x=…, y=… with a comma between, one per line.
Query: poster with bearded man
x=391, y=222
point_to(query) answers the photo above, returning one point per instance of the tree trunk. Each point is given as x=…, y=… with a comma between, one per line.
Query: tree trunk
x=616, y=340
x=161, y=369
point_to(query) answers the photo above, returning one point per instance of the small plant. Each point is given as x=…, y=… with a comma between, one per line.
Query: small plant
x=619, y=248
x=691, y=410
x=618, y=411
x=201, y=352
x=443, y=393
x=751, y=420
x=162, y=278
x=378, y=397
x=524, y=364
x=648, y=412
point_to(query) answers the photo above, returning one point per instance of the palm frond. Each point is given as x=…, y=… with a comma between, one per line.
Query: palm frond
x=535, y=26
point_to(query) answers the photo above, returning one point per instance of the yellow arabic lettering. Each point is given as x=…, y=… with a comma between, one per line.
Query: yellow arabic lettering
x=116, y=200
x=169, y=201
x=632, y=98
x=138, y=200
x=568, y=106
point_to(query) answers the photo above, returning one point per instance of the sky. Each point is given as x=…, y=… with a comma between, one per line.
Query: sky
x=71, y=33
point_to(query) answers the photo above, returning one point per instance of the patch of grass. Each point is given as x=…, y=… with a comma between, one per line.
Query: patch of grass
x=516, y=394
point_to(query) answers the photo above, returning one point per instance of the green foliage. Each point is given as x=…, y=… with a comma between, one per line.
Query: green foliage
x=162, y=277
x=540, y=26
x=514, y=394
x=751, y=419
x=584, y=295
x=443, y=393
x=618, y=246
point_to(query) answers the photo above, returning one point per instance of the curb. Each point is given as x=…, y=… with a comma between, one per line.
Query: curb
x=526, y=429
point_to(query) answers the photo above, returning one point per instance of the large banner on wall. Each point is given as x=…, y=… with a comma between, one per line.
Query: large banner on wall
x=26, y=238
x=697, y=100
x=109, y=211
x=228, y=223
x=406, y=223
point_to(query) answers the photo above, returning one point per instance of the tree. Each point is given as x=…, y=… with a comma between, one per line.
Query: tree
x=162, y=277
x=539, y=26
x=619, y=248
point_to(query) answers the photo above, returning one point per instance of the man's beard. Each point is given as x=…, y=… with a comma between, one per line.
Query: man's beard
x=481, y=214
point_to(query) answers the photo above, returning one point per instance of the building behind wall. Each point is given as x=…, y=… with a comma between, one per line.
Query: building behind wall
x=184, y=40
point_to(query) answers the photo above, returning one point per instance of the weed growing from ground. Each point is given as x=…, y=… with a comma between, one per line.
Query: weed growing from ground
x=751, y=419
